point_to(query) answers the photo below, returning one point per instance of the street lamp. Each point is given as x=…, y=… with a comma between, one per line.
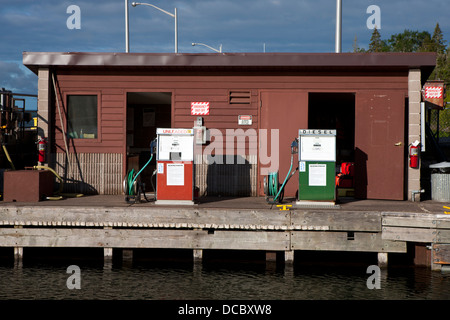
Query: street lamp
x=173, y=15
x=338, y=43
x=127, y=33
x=202, y=44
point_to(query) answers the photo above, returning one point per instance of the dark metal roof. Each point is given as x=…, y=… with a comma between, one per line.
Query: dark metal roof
x=424, y=61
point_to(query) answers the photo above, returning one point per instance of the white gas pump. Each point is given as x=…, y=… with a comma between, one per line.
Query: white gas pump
x=175, y=166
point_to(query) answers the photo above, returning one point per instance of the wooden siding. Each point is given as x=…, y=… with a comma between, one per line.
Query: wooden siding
x=111, y=120
x=186, y=87
x=91, y=173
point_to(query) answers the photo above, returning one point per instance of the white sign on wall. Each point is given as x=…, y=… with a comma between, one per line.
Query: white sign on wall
x=199, y=108
x=317, y=175
x=245, y=120
x=175, y=174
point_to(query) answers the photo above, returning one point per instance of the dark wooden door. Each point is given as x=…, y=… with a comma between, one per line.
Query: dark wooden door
x=287, y=111
x=379, y=145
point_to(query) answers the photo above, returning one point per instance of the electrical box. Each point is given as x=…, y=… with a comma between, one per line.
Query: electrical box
x=175, y=166
x=317, y=163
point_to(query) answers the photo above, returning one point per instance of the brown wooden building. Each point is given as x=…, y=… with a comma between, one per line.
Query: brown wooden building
x=110, y=104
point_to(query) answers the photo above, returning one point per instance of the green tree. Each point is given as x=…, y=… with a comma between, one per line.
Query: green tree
x=376, y=43
x=438, y=40
x=409, y=41
x=415, y=41
x=435, y=43
x=356, y=47
x=444, y=68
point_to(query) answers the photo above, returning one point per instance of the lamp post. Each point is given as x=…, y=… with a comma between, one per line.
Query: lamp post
x=202, y=44
x=127, y=33
x=338, y=26
x=173, y=15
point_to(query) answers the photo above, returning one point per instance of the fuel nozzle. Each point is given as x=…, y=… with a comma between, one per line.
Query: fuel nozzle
x=153, y=145
x=294, y=146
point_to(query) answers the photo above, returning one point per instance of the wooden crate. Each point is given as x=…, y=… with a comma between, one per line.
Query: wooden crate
x=27, y=185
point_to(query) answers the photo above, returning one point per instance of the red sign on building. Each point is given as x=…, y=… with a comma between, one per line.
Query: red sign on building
x=199, y=108
x=433, y=92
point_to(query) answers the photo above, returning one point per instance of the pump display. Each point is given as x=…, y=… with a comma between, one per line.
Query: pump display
x=175, y=166
x=317, y=158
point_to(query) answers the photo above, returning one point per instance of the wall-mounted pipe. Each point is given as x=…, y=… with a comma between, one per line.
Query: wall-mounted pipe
x=414, y=192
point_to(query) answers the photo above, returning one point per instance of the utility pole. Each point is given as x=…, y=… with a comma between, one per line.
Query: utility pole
x=338, y=26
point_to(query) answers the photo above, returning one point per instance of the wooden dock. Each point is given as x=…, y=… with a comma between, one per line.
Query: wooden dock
x=107, y=222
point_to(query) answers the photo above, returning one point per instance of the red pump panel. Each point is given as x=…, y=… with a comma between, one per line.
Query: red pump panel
x=175, y=180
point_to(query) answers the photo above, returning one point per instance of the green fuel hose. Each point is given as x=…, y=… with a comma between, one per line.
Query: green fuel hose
x=285, y=180
x=129, y=180
x=132, y=178
x=273, y=183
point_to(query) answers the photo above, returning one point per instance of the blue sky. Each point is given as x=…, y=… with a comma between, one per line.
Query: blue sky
x=237, y=25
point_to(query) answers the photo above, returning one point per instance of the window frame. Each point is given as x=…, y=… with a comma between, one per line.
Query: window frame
x=81, y=141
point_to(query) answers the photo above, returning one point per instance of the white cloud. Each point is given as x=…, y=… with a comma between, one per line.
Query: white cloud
x=14, y=77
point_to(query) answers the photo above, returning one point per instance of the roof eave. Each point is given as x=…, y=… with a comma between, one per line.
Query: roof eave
x=36, y=60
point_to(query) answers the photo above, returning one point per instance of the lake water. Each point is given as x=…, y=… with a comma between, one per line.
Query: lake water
x=221, y=276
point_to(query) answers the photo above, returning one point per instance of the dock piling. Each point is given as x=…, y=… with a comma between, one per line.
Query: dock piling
x=198, y=255
x=271, y=256
x=18, y=256
x=289, y=256
x=127, y=257
x=107, y=253
x=382, y=259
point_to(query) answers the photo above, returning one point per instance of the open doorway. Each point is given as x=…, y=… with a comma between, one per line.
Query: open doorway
x=336, y=111
x=146, y=111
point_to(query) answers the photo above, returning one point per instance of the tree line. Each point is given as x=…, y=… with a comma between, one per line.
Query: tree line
x=414, y=41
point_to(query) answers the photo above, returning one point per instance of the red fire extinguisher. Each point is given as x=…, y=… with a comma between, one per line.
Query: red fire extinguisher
x=414, y=155
x=42, y=147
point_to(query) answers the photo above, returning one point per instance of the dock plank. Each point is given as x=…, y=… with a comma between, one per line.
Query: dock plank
x=408, y=220
x=144, y=238
x=248, y=240
x=235, y=228
x=441, y=253
x=338, y=241
x=339, y=220
x=146, y=217
x=426, y=235
x=442, y=236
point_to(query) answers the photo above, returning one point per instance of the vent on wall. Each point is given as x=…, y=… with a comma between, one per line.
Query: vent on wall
x=239, y=97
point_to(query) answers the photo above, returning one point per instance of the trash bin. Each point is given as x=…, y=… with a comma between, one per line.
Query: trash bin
x=440, y=181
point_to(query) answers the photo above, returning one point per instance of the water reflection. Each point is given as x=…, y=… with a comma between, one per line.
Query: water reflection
x=175, y=280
